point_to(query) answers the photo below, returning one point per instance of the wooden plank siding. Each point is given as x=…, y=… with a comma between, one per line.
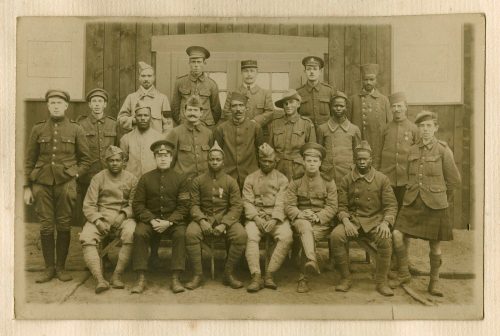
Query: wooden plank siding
x=113, y=50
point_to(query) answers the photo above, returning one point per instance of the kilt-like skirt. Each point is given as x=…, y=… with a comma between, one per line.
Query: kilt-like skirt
x=419, y=221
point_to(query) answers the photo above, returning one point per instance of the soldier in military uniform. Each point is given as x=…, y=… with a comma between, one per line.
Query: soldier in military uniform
x=56, y=155
x=260, y=106
x=161, y=206
x=198, y=83
x=108, y=209
x=316, y=95
x=264, y=203
x=432, y=178
x=240, y=139
x=289, y=133
x=367, y=207
x=216, y=210
x=371, y=110
x=147, y=95
x=339, y=136
x=311, y=205
x=397, y=138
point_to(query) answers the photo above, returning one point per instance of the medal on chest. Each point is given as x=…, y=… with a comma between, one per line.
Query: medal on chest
x=221, y=191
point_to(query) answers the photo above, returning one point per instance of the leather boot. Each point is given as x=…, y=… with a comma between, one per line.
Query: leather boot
x=342, y=262
x=47, y=241
x=62, y=247
x=404, y=276
x=433, y=288
x=91, y=258
x=256, y=284
x=176, y=285
x=302, y=286
x=235, y=252
x=383, y=266
x=140, y=284
x=194, y=255
x=195, y=282
x=123, y=260
x=269, y=281
x=309, y=252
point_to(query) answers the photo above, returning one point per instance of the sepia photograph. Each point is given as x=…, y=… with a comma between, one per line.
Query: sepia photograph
x=245, y=168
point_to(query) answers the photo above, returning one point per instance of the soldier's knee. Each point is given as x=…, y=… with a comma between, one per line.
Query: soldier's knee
x=47, y=229
x=302, y=225
x=179, y=234
x=127, y=234
x=240, y=237
x=397, y=238
x=141, y=232
x=338, y=236
x=88, y=236
x=384, y=243
x=252, y=231
x=193, y=234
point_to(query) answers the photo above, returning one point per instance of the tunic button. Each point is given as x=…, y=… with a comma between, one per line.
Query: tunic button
x=55, y=140
x=420, y=183
x=54, y=148
x=52, y=162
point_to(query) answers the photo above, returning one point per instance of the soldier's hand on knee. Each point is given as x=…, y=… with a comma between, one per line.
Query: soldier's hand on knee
x=28, y=196
x=383, y=230
x=163, y=225
x=350, y=229
x=206, y=228
x=219, y=229
x=261, y=223
x=270, y=225
x=102, y=227
x=118, y=220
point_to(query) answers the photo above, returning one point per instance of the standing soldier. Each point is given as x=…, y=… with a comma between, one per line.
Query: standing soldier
x=57, y=154
x=216, y=209
x=260, y=102
x=339, y=136
x=371, y=110
x=135, y=145
x=316, y=95
x=432, y=178
x=311, y=205
x=367, y=207
x=197, y=83
x=264, y=203
x=240, y=139
x=108, y=209
x=161, y=205
x=397, y=138
x=289, y=133
x=146, y=95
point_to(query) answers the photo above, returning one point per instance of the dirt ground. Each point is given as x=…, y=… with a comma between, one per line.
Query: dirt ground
x=458, y=290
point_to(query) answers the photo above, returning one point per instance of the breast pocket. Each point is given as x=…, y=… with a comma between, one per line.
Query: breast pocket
x=110, y=137
x=204, y=95
x=125, y=191
x=304, y=107
x=91, y=139
x=44, y=142
x=318, y=199
x=433, y=165
x=68, y=144
x=413, y=162
x=298, y=137
x=185, y=91
x=279, y=139
x=324, y=108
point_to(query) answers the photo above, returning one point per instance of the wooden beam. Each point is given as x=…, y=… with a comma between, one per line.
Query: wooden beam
x=127, y=60
x=208, y=28
x=143, y=40
x=272, y=29
x=384, y=47
x=352, y=56
x=289, y=29
x=368, y=47
x=306, y=30
x=193, y=28
x=94, y=56
x=111, y=74
x=256, y=28
x=336, y=62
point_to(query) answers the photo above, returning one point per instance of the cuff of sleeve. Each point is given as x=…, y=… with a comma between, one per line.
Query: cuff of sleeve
x=167, y=114
x=390, y=220
x=342, y=215
x=279, y=217
x=127, y=212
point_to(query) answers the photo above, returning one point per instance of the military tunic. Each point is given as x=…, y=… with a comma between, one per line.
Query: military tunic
x=315, y=102
x=259, y=105
x=339, y=141
x=240, y=144
x=161, y=116
x=286, y=136
x=371, y=112
x=202, y=86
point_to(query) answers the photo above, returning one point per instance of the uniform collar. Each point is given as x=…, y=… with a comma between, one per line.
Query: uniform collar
x=253, y=88
x=429, y=145
x=59, y=122
x=240, y=123
x=309, y=87
x=292, y=119
x=191, y=128
x=333, y=125
x=271, y=173
x=368, y=177
x=374, y=93
x=201, y=77
x=93, y=119
x=215, y=175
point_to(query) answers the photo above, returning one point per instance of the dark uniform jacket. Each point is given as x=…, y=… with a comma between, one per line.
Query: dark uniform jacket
x=367, y=200
x=57, y=152
x=100, y=135
x=162, y=194
x=216, y=198
x=316, y=193
x=202, y=86
x=260, y=104
x=432, y=173
x=316, y=101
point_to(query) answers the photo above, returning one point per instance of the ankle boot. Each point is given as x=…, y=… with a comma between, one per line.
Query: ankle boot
x=404, y=276
x=47, y=241
x=433, y=288
x=62, y=247
x=123, y=260
x=256, y=283
x=383, y=266
x=302, y=286
x=140, y=284
x=195, y=282
x=176, y=285
x=91, y=258
x=342, y=262
x=235, y=252
x=269, y=281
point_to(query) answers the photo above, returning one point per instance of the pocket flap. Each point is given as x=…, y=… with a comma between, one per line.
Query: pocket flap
x=205, y=147
x=205, y=92
x=184, y=90
x=432, y=158
x=260, y=105
x=324, y=100
x=304, y=100
x=44, y=139
x=185, y=148
x=110, y=133
x=67, y=139
x=298, y=132
x=90, y=133
x=412, y=157
x=279, y=131
x=437, y=189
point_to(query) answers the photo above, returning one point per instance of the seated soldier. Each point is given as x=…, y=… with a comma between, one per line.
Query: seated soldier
x=216, y=209
x=263, y=200
x=161, y=205
x=108, y=209
x=367, y=207
x=311, y=204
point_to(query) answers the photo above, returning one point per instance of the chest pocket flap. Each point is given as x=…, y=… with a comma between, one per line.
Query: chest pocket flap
x=44, y=139
x=110, y=133
x=205, y=92
x=68, y=140
x=185, y=90
x=90, y=133
x=205, y=147
x=185, y=148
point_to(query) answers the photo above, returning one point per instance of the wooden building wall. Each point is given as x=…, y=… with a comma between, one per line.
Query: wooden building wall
x=113, y=50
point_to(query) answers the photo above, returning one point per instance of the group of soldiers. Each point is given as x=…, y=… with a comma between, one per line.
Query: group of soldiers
x=326, y=167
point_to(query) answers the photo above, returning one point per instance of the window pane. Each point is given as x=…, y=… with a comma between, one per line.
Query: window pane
x=280, y=81
x=220, y=78
x=263, y=80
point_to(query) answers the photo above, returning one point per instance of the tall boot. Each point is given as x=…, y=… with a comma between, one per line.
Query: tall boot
x=194, y=255
x=93, y=262
x=277, y=258
x=122, y=262
x=176, y=285
x=309, y=252
x=342, y=262
x=235, y=252
x=252, y=255
x=404, y=275
x=383, y=266
x=48, y=251
x=62, y=247
x=435, y=261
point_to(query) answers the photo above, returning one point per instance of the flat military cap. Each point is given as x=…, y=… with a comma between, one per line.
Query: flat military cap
x=216, y=148
x=144, y=66
x=238, y=97
x=369, y=69
x=313, y=149
x=363, y=146
x=162, y=147
x=57, y=93
x=339, y=94
x=424, y=116
x=97, y=93
x=397, y=97
x=265, y=150
x=112, y=150
x=248, y=64
x=194, y=101
x=197, y=52
x=140, y=106
x=290, y=94
x=313, y=60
